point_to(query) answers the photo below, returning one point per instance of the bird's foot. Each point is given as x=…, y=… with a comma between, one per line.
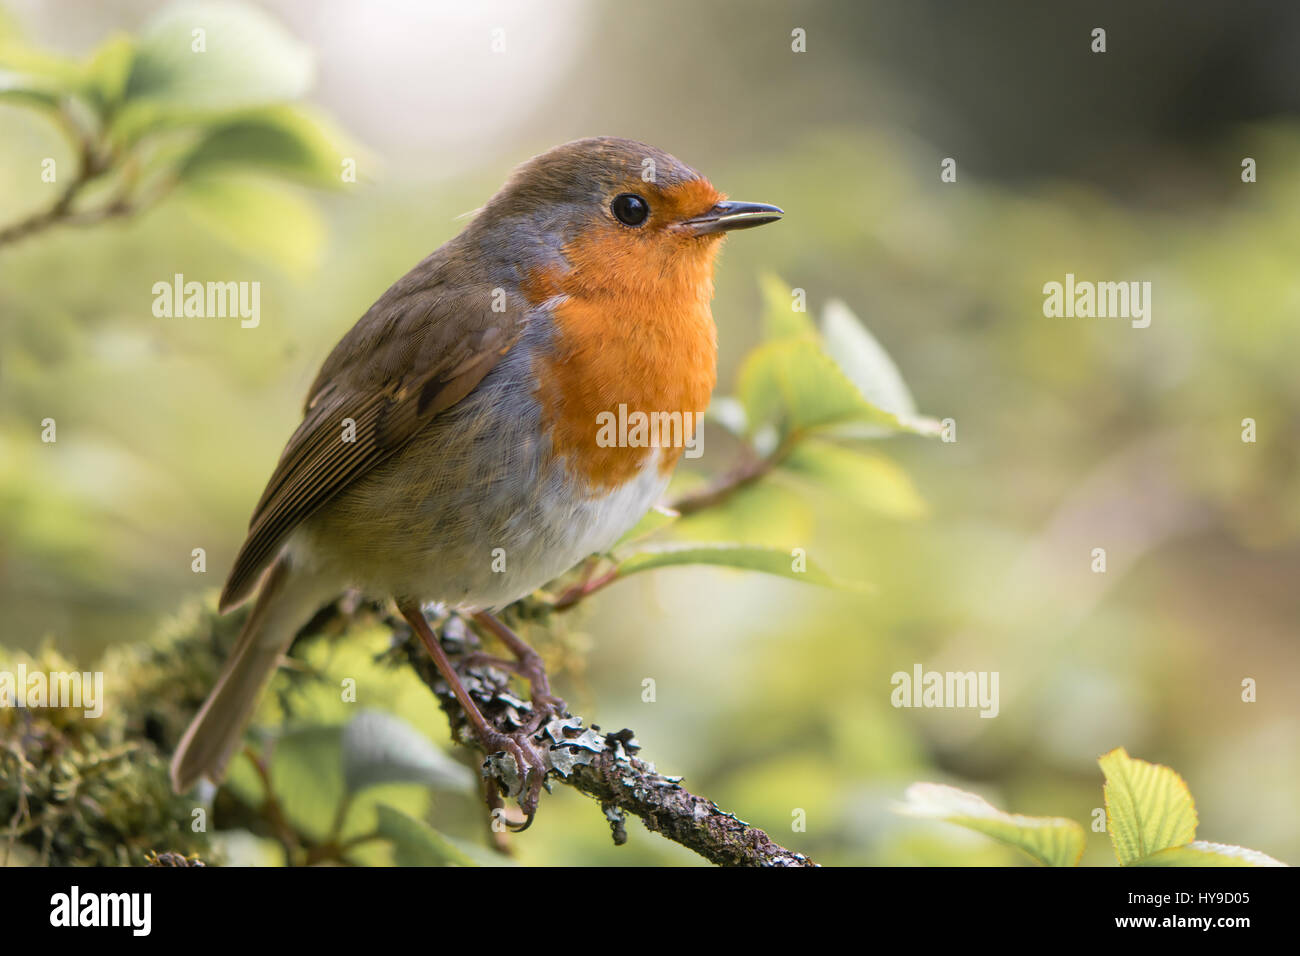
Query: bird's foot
x=544, y=706
x=515, y=761
x=524, y=773
x=527, y=664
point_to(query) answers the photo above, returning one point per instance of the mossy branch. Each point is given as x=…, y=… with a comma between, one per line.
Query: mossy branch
x=604, y=766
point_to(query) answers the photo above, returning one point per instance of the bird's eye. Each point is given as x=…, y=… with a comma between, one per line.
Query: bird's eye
x=630, y=209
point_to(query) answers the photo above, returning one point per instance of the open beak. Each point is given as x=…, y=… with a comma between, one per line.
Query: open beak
x=729, y=215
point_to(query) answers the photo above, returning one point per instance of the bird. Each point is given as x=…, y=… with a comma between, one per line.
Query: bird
x=448, y=449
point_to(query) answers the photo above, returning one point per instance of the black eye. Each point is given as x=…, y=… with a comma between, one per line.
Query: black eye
x=630, y=209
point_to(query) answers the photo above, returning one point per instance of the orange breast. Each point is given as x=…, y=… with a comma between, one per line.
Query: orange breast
x=634, y=330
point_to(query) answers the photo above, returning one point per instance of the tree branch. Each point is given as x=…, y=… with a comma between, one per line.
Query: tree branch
x=603, y=766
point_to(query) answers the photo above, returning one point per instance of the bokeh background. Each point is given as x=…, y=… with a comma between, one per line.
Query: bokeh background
x=1072, y=434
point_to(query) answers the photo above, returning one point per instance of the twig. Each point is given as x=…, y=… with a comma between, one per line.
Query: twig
x=95, y=161
x=92, y=165
x=270, y=809
x=584, y=589
x=743, y=475
x=603, y=766
x=61, y=213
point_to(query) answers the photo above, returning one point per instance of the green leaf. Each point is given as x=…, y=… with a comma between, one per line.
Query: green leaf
x=1201, y=853
x=380, y=748
x=740, y=556
x=415, y=843
x=793, y=383
x=872, y=481
x=261, y=219
x=108, y=71
x=247, y=60
x=32, y=76
x=306, y=778
x=30, y=90
x=284, y=140
x=1148, y=807
x=780, y=320
x=1052, y=841
x=864, y=361
x=837, y=379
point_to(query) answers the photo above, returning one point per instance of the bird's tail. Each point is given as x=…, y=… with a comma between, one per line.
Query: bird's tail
x=286, y=602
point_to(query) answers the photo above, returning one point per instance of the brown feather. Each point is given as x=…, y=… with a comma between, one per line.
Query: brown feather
x=420, y=349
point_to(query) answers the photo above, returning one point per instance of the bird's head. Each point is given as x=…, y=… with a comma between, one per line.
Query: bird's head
x=614, y=215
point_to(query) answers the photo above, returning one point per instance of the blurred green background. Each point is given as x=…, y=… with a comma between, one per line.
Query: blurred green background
x=1072, y=434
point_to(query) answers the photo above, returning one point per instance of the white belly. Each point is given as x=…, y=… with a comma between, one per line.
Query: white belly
x=568, y=531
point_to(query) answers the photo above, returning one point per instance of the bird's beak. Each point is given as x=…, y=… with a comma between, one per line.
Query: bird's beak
x=725, y=216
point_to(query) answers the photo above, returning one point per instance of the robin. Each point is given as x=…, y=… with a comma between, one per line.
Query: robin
x=448, y=450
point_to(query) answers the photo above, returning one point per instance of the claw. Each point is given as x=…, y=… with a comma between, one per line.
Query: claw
x=530, y=767
x=526, y=824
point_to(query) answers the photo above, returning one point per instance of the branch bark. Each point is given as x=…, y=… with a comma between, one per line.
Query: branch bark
x=601, y=765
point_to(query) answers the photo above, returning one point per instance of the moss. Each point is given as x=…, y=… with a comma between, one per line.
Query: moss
x=78, y=790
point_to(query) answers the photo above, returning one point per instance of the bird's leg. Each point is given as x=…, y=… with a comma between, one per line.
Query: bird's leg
x=528, y=664
x=532, y=765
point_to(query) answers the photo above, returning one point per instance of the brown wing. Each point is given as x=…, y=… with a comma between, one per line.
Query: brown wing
x=421, y=348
